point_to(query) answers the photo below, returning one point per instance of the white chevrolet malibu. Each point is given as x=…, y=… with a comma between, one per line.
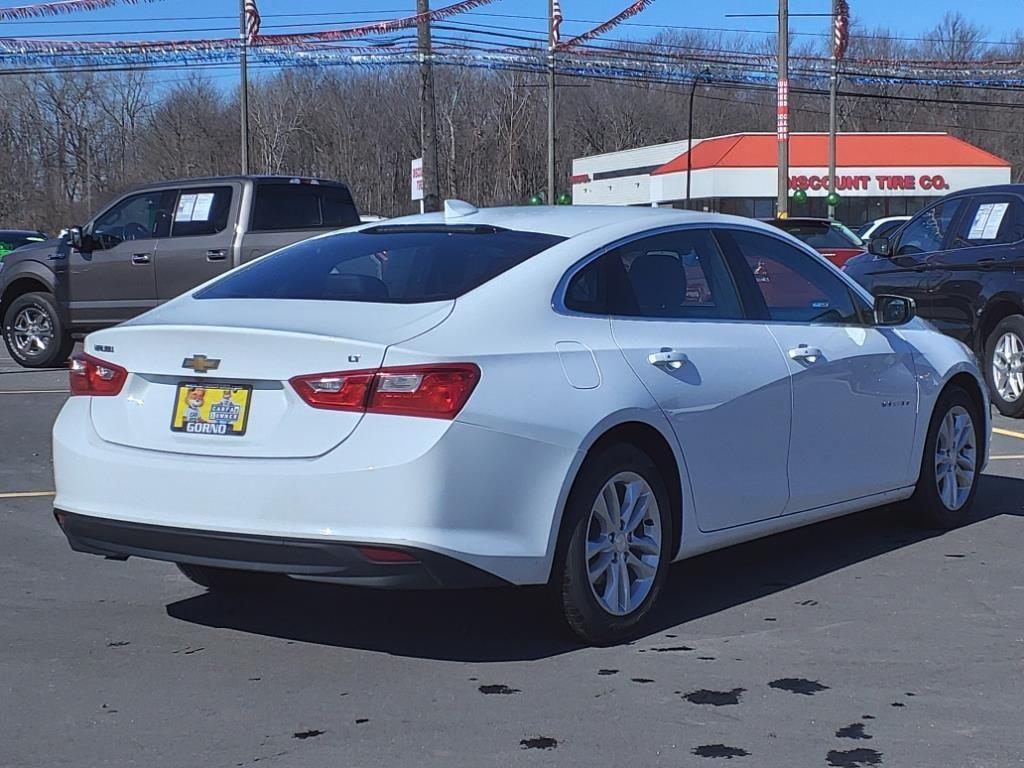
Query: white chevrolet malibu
x=566, y=396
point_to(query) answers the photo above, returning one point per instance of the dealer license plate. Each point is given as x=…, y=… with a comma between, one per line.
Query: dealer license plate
x=211, y=409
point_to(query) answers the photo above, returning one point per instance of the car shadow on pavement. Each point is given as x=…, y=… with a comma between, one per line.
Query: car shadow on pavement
x=517, y=624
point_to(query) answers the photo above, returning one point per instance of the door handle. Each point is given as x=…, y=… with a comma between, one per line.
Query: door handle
x=216, y=254
x=805, y=354
x=668, y=358
x=141, y=258
x=986, y=263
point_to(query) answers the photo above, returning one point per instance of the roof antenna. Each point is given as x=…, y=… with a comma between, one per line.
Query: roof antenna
x=456, y=209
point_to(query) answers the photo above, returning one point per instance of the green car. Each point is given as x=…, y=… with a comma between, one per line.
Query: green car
x=15, y=238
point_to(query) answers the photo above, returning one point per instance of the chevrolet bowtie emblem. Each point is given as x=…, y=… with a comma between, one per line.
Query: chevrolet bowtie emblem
x=201, y=363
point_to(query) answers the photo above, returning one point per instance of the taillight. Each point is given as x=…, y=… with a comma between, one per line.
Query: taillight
x=335, y=391
x=432, y=391
x=94, y=377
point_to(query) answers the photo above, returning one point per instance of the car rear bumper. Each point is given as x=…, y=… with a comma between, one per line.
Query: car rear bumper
x=488, y=499
x=342, y=562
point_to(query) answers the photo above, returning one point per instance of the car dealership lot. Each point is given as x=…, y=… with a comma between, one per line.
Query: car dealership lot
x=855, y=642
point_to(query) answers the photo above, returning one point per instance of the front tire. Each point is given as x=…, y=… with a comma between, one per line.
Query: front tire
x=950, y=466
x=1004, y=366
x=614, y=547
x=34, y=332
x=228, y=580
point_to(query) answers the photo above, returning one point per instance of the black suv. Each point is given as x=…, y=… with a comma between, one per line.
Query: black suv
x=962, y=260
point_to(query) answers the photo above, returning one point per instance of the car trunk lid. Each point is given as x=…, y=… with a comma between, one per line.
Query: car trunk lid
x=232, y=364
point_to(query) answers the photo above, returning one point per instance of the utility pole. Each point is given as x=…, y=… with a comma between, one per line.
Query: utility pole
x=706, y=72
x=428, y=118
x=782, y=109
x=243, y=103
x=551, y=101
x=833, y=82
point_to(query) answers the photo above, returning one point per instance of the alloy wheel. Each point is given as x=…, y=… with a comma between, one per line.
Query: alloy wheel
x=623, y=543
x=1008, y=366
x=956, y=457
x=32, y=331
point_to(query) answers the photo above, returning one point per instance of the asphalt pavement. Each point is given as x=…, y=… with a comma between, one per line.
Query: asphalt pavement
x=856, y=642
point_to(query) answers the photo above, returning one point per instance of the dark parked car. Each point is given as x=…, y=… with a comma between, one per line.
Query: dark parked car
x=151, y=245
x=962, y=261
x=829, y=238
x=12, y=239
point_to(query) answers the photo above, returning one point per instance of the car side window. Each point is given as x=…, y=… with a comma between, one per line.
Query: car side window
x=887, y=228
x=281, y=206
x=201, y=211
x=990, y=220
x=787, y=285
x=679, y=275
x=927, y=231
x=140, y=217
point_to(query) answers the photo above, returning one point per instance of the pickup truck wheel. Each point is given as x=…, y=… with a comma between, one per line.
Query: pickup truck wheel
x=1004, y=366
x=34, y=333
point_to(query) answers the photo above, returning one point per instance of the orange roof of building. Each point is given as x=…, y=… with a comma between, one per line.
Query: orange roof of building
x=760, y=150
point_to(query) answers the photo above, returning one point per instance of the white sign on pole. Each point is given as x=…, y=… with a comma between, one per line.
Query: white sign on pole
x=417, y=179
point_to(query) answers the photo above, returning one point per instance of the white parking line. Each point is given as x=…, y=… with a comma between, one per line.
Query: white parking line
x=26, y=494
x=1008, y=433
x=1016, y=456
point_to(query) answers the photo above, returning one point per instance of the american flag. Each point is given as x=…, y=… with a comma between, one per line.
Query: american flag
x=556, y=22
x=252, y=20
x=841, y=29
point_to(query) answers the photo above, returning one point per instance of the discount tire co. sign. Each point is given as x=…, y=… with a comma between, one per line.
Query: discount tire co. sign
x=876, y=183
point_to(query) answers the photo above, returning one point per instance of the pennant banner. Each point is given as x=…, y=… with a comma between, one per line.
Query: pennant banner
x=841, y=29
x=62, y=6
x=613, y=22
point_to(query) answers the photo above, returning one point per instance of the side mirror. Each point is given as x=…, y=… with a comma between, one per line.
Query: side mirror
x=880, y=246
x=894, y=310
x=77, y=239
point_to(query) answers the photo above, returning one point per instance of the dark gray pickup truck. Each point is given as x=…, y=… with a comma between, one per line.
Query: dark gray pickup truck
x=151, y=245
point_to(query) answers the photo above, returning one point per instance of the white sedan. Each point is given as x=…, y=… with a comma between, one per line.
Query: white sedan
x=566, y=396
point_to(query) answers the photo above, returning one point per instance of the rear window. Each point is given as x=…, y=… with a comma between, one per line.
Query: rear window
x=821, y=235
x=283, y=206
x=11, y=240
x=388, y=264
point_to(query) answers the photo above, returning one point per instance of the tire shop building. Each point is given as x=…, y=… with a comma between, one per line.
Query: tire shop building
x=877, y=174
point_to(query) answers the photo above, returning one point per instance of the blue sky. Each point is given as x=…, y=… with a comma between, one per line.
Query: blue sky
x=218, y=18
x=153, y=20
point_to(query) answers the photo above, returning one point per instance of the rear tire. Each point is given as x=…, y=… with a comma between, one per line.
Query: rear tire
x=229, y=580
x=950, y=468
x=1004, y=366
x=614, y=548
x=34, y=332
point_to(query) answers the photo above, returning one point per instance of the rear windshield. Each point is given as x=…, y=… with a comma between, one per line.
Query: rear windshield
x=11, y=240
x=388, y=264
x=822, y=235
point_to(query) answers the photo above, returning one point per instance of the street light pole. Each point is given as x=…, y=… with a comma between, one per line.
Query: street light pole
x=689, y=133
x=782, y=108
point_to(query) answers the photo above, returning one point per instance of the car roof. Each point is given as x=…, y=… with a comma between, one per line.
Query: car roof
x=572, y=220
x=223, y=179
x=1017, y=189
x=21, y=233
x=799, y=221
